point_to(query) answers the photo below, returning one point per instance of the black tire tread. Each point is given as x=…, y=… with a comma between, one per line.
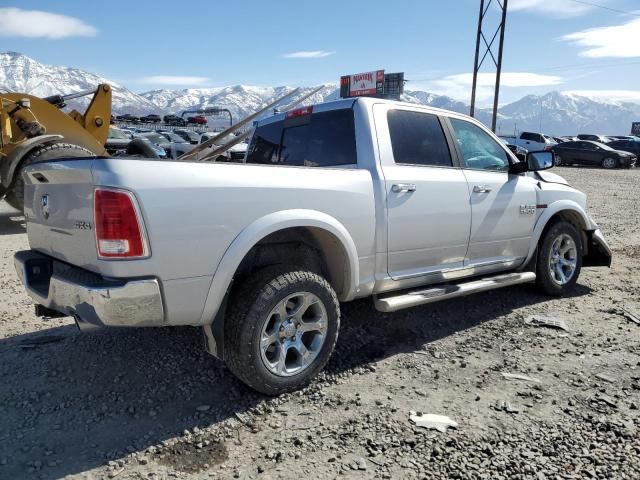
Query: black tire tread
x=543, y=281
x=40, y=153
x=239, y=329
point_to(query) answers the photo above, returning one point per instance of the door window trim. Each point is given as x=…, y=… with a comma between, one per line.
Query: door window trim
x=460, y=156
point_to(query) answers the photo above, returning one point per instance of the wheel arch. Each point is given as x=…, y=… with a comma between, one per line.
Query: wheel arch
x=316, y=229
x=564, y=210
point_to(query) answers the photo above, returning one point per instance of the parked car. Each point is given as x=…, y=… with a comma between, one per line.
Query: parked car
x=531, y=141
x=189, y=135
x=118, y=140
x=234, y=154
x=593, y=138
x=179, y=145
x=585, y=152
x=127, y=117
x=631, y=146
x=519, y=152
x=558, y=139
x=198, y=120
x=261, y=254
x=172, y=149
x=174, y=120
x=151, y=118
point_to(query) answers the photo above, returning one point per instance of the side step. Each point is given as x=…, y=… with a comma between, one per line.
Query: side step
x=391, y=302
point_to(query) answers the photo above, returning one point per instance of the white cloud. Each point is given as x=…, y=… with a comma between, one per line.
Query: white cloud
x=615, y=41
x=175, y=80
x=15, y=22
x=308, y=54
x=459, y=85
x=608, y=95
x=556, y=8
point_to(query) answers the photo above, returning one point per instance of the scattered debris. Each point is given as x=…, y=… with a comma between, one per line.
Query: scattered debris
x=504, y=406
x=517, y=376
x=551, y=322
x=601, y=397
x=632, y=317
x=435, y=422
x=604, y=377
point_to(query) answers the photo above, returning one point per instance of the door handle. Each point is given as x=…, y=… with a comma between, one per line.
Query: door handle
x=403, y=187
x=482, y=189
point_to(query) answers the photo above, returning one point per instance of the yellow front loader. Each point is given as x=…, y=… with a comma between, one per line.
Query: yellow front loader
x=36, y=129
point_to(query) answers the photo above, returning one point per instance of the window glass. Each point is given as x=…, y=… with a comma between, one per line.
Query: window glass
x=326, y=139
x=479, y=150
x=417, y=139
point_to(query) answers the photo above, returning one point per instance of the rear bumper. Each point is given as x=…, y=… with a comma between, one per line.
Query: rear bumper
x=93, y=300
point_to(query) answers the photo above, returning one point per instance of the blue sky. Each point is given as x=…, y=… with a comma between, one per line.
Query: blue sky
x=564, y=45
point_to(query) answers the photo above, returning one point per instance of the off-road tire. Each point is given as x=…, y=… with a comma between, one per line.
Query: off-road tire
x=249, y=306
x=41, y=153
x=544, y=281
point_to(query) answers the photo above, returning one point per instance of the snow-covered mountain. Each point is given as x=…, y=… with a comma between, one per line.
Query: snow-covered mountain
x=555, y=113
x=23, y=74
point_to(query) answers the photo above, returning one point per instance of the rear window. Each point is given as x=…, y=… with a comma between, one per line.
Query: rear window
x=417, y=139
x=325, y=139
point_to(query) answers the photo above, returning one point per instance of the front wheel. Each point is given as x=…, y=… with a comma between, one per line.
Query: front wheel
x=281, y=329
x=559, y=259
x=609, y=163
x=557, y=160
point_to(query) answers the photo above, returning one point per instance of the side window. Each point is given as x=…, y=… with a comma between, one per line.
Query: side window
x=529, y=136
x=417, y=139
x=479, y=150
x=322, y=140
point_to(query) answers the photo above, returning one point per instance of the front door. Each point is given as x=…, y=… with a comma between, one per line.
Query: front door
x=428, y=212
x=503, y=205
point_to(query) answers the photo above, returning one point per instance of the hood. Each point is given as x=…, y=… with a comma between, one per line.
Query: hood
x=549, y=177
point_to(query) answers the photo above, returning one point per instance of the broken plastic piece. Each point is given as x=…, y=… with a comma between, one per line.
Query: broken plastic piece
x=504, y=406
x=552, y=322
x=435, y=422
x=517, y=376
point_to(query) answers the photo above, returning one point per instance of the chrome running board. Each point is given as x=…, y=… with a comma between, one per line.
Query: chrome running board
x=393, y=302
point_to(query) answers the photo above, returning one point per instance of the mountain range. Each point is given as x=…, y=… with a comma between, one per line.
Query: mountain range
x=554, y=113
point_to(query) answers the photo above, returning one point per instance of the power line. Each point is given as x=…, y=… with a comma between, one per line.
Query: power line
x=603, y=7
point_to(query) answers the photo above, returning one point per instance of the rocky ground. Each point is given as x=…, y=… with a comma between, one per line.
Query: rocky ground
x=136, y=404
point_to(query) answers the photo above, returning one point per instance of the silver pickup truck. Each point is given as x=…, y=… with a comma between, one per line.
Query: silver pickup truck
x=355, y=198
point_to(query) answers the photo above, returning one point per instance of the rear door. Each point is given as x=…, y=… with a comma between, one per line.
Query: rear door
x=428, y=212
x=503, y=205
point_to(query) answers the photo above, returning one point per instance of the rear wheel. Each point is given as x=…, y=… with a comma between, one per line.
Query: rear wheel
x=609, y=163
x=557, y=160
x=559, y=259
x=281, y=329
x=41, y=153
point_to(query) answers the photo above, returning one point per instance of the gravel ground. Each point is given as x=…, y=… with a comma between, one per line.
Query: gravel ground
x=150, y=403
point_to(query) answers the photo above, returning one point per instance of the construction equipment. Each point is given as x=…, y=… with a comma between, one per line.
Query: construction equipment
x=36, y=129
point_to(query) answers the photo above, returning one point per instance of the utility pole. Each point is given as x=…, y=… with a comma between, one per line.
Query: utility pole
x=481, y=38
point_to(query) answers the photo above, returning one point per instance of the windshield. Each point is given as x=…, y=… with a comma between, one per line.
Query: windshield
x=116, y=133
x=603, y=146
x=221, y=141
x=155, y=137
x=175, y=138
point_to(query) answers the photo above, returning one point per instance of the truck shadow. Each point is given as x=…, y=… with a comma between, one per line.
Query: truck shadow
x=11, y=222
x=71, y=402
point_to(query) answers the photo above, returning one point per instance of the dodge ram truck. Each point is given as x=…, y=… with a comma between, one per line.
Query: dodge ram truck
x=354, y=198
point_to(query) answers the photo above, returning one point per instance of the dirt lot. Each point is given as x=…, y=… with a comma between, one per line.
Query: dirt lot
x=135, y=404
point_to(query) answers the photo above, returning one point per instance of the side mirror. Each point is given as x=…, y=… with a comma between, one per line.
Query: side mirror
x=539, y=161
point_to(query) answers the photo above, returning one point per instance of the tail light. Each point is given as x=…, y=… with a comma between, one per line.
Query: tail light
x=118, y=225
x=299, y=112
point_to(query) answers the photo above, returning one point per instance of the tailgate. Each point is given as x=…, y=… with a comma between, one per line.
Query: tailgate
x=59, y=210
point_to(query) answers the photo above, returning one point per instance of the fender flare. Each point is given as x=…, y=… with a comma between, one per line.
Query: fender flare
x=549, y=212
x=8, y=169
x=260, y=229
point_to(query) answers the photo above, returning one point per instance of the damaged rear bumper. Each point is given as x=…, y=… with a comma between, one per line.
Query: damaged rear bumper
x=92, y=300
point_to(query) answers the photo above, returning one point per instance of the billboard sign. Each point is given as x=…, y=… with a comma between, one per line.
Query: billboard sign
x=635, y=129
x=362, y=84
